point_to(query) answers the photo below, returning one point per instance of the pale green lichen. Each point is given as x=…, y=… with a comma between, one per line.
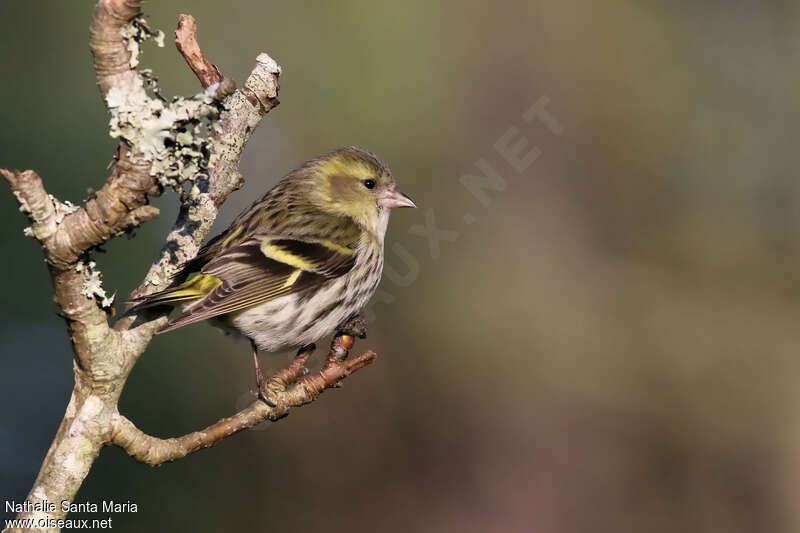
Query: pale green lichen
x=93, y=283
x=174, y=136
x=154, y=279
x=62, y=209
x=135, y=33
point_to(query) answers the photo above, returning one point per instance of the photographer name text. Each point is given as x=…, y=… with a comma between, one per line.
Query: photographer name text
x=44, y=506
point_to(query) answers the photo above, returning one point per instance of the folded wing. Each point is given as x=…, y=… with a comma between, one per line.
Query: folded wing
x=261, y=269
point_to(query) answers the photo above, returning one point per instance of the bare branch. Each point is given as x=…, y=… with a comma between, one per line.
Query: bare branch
x=34, y=201
x=112, y=58
x=66, y=231
x=289, y=385
x=186, y=42
x=108, y=212
x=139, y=216
x=52, y=227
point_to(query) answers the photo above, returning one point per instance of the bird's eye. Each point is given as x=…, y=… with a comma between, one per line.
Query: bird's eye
x=369, y=184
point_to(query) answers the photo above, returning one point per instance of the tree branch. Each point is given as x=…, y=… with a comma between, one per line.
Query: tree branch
x=66, y=231
x=291, y=387
x=112, y=58
x=34, y=201
x=186, y=42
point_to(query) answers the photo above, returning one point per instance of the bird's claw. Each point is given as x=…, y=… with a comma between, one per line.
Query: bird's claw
x=265, y=389
x=270, y=390
x=268, y=394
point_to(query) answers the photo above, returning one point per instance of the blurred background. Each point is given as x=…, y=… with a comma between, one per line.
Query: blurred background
x=605, y=341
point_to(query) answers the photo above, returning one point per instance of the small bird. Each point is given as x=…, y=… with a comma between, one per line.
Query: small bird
x=296, y=264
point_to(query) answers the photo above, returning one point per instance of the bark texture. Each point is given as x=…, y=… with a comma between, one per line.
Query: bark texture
x=211, y=130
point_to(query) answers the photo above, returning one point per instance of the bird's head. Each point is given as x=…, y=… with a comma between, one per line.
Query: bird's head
x=355, y=183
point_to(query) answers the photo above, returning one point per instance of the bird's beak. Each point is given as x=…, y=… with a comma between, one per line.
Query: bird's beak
x=395, y=198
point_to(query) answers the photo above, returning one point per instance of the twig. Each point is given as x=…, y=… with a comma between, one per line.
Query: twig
x=186, y=41
x=291, y=389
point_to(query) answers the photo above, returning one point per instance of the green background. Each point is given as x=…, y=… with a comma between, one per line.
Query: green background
x=612, y=343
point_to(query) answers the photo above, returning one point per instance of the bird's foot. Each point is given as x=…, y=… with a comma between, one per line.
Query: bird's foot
x=355, y=326
x=268, y=393
x=293, y=385
x=269, y=390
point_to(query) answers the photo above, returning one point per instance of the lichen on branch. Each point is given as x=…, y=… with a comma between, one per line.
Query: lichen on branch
x=174, y=137
x=93, y=285
x=136, y=32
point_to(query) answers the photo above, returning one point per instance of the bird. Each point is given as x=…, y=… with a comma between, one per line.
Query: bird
x=298, y=263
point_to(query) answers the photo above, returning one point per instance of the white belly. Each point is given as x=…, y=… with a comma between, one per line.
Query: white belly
x=299, y=319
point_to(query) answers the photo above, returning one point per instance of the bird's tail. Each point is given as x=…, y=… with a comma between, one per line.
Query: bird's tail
x=194, y=289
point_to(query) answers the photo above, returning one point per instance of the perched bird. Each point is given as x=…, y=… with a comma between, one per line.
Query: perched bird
x=297, y=263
